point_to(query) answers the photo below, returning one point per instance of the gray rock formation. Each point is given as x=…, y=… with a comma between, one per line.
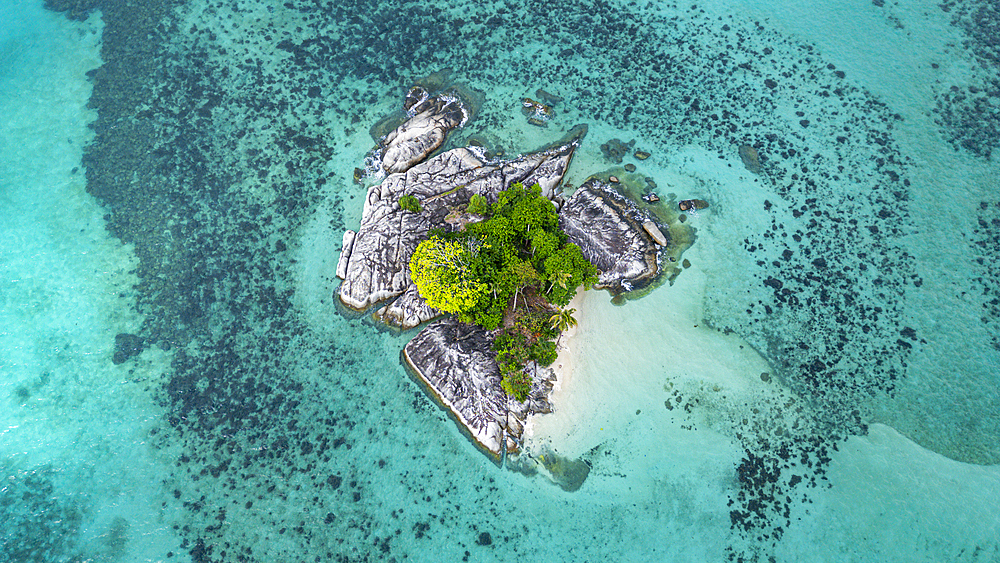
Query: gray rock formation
x=609, y=231
x=408, y=311
x=432, y=119
x=654, y=233
x=455, y=363
x=374, y=262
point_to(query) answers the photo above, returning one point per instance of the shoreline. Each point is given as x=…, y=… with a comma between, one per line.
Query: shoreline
x=563, y=366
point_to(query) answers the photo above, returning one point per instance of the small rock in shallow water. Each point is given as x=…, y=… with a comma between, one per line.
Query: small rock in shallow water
x=614, y=150
x=641, y=155
x=750, y=158
x=532, y=107
x=689, y=204
x=654, y=232
x=550, y=99
x=630, y=167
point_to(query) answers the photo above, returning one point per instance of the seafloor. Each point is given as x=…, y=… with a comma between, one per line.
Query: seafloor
x=178, y=382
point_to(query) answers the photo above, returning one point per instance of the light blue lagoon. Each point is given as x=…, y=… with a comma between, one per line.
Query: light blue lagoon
x=178, y=381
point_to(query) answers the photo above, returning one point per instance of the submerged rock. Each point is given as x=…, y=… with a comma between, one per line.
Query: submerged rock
x=692, y=205
x=750, y=158
x=609, y=231
x=614, y=150
x=127, y=346
x=565, y=472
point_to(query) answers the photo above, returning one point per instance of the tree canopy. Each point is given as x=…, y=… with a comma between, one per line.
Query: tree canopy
x=443, y=272
x=479, y=274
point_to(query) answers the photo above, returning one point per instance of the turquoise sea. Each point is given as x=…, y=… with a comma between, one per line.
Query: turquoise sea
x=821, y=383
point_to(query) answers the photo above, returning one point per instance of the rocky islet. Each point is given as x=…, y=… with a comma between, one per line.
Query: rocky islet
x=451, y=359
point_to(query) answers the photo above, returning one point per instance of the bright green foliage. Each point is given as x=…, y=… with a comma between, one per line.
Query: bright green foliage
x=544, y=352
x=409, y=203
x=517, y=384
x=565, y=270
x=444, y=274
x=525, y=272
x=505, y=265
x=537, y=324
x=478, y=205
x=543, y=243
x=512, y=353
x=526, y=208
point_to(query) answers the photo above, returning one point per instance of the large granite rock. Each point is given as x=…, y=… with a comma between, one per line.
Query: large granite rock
x=610, y=231
x=455, y=363
x=374, y=262
x=432, y=117
x=408, y=311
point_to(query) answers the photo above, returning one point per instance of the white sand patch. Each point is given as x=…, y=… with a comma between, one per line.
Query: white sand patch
x=622, y=357
x=566, y=359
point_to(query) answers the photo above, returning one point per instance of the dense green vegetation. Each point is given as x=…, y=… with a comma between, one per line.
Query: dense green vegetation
x=409, y=203
x=512, y=271
x=478, y=205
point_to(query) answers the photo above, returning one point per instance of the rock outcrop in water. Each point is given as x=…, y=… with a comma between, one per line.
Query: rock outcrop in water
x=613, y=234
x=422, y=134
x=454, y=360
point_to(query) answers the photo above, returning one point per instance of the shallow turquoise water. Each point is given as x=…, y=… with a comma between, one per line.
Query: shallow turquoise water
x=819, y=385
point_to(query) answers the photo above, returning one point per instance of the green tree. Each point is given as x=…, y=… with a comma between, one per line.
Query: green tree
x=444, y=274
x=562, y=319
x=517, y=384
x=543, y=243
x=565, y=270
x=482, y=273
x=478, y=205
x=526, y=208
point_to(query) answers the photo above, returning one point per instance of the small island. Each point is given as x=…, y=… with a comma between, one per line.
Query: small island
x=491, y=252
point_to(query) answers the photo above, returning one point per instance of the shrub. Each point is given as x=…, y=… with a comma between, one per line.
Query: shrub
x=409, y=203
x=513, y=258
x=544, y=352
x=443, y=272
x=478, y=205
x=517, y=384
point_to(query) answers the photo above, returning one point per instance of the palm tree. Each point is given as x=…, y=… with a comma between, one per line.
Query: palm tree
x=562, y=319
